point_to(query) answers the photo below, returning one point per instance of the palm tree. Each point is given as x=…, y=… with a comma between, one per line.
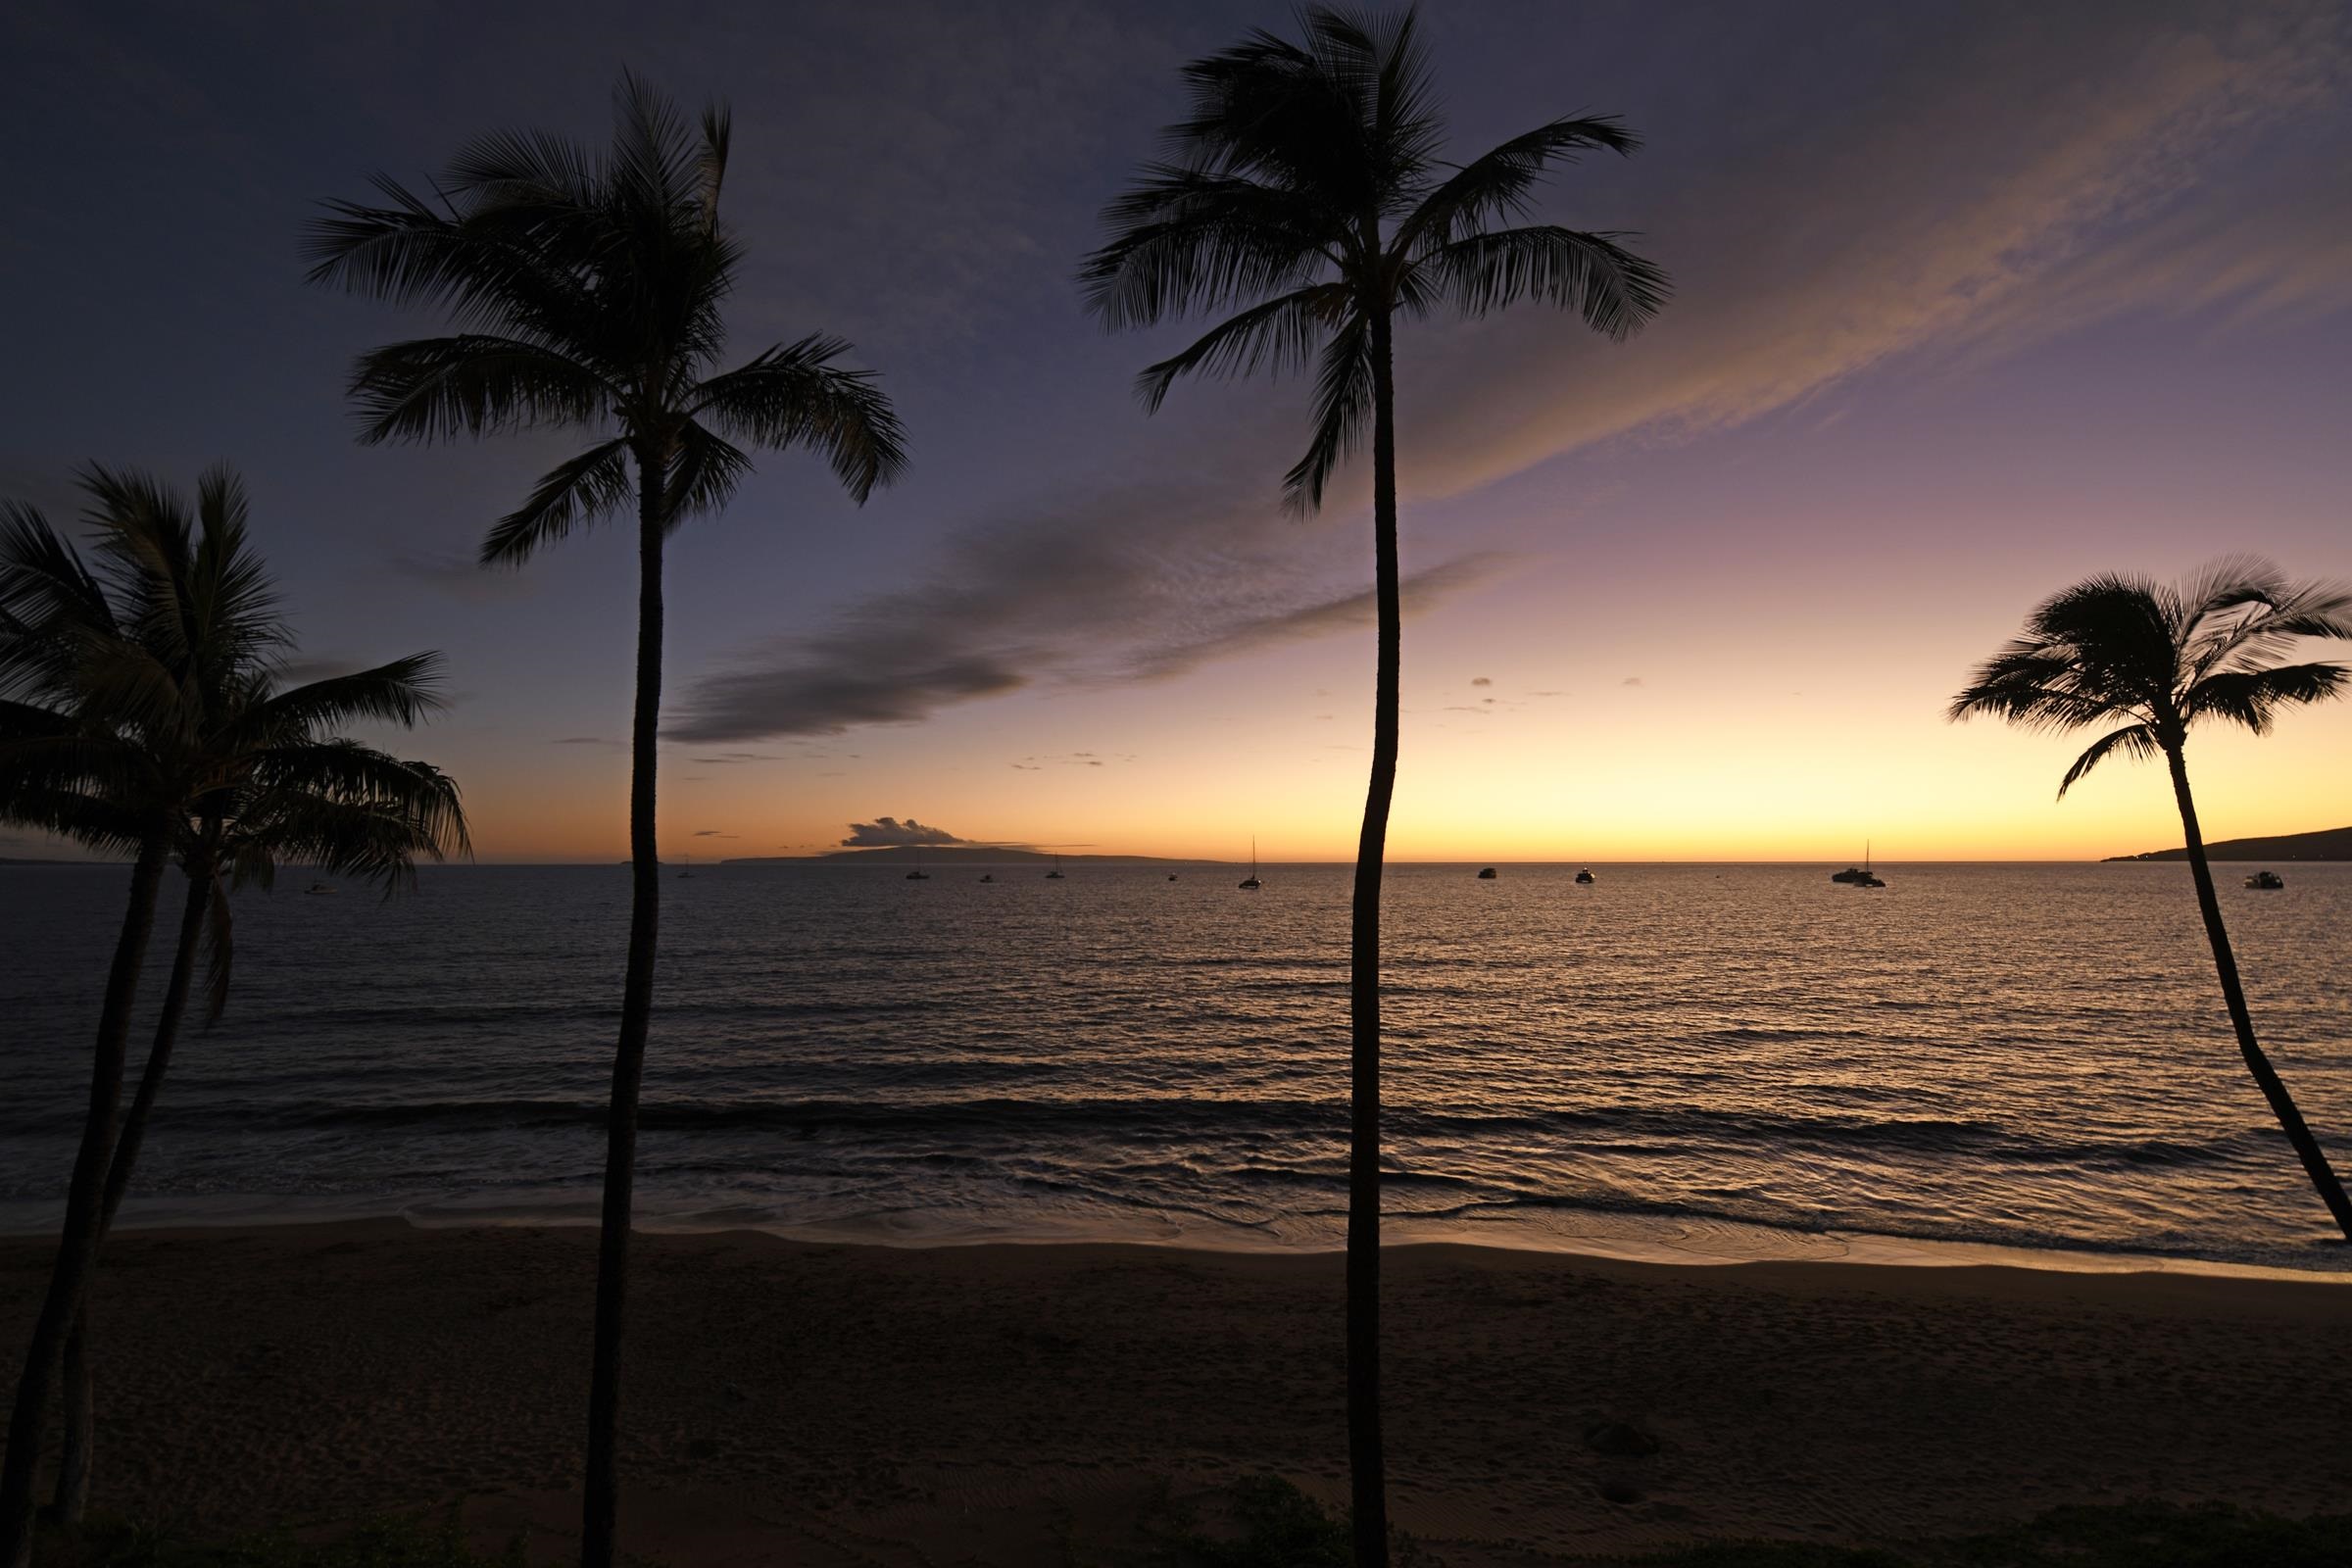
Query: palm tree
x=1306, y=193
x=138, y=709
x=589, y=292
x=301, y=815
x=2157, y=658
x=306, y=805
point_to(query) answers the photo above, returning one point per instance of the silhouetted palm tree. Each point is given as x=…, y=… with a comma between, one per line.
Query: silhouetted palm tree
x=2160, y=658
x=139, y=710
x=301, y=812
x=589, y=290
x=1306, y=189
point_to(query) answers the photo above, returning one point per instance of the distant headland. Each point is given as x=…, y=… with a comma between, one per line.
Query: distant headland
x=2326, y=844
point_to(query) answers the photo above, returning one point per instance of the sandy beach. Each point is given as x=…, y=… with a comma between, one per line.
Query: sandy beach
x=827, y=1405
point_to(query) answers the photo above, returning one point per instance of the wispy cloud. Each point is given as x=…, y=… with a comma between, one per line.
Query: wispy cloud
x=2085, y=188
x=1138, y=585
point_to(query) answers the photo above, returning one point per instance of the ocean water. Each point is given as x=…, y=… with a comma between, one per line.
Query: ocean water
x=1732, y=1060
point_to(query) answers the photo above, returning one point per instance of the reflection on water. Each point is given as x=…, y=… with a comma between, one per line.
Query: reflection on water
x=1732, y=1059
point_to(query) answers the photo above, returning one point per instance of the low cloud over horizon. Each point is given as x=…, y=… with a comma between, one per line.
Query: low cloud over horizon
x=887, y=832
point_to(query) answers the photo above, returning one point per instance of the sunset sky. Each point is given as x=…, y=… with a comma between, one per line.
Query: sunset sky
x=1971, y=300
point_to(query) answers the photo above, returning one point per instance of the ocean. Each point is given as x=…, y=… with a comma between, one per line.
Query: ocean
x=1708, y=1060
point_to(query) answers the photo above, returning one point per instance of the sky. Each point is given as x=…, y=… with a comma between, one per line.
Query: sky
x=1972, y=301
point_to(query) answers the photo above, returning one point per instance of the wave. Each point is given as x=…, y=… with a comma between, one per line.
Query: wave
x=1019, y=1122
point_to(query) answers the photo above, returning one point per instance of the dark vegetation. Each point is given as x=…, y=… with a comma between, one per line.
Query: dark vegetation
x=2321, y=844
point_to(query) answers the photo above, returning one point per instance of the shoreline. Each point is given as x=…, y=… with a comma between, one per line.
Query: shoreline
x=808, y=1401
x=1596, y=1235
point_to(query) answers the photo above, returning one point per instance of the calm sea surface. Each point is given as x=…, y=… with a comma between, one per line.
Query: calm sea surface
x=1736, y=1060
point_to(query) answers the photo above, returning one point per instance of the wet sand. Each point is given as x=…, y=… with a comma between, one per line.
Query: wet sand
x=797, y=1402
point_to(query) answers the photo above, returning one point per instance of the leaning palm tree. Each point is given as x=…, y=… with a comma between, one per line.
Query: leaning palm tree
x=1305, y=192
x=588, y=290
x=2158, y=658
x=299, y=798
x=138, y=711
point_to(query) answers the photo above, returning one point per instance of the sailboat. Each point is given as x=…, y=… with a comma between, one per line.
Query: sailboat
x=1055, y=875
x=918, y=874
x=1861, y=875
x=689, y=867
x=1253, y=884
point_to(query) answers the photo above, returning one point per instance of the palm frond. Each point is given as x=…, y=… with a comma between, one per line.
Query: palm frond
x=2035, y=684
x=1615, y=291
x=1269, y=207
x=705, y=472
x=403, y=691
x=490, y=263
x=2165, y=656
x=2252, y=698
x=1343, y=411
x=2137, y=740
x=794, y=396
x=589, y=290
x=577, y=492
x=1184, y=240
x=1498, y=183
x=52, y=606
x=436, y=389
x=1281, y=335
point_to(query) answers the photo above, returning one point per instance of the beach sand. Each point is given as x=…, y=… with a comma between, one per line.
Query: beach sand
x=838, y=1404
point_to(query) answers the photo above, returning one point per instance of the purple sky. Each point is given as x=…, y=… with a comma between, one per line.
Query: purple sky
x=1971, y=300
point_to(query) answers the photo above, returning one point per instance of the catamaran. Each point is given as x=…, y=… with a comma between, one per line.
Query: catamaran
x=1861, y=875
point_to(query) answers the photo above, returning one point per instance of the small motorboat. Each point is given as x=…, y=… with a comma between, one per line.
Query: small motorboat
x=1583, y=879
x=1869, y=881
x=988, y=876
x=918, y=876
x=1171, y=876
x=317, y=888
x=2265, y=880
x=1487, y=876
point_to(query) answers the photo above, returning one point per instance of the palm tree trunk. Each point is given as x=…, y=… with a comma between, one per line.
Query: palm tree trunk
x=601, y=1507
x=2283, y=1103
x=1366, y=1462
x=78, y=1237
x=72, y=1494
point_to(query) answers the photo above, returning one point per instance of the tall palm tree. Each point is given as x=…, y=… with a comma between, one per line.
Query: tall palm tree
x=1306, y=193
x=2158, y=658
x=589, y=290
x=138, y=709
